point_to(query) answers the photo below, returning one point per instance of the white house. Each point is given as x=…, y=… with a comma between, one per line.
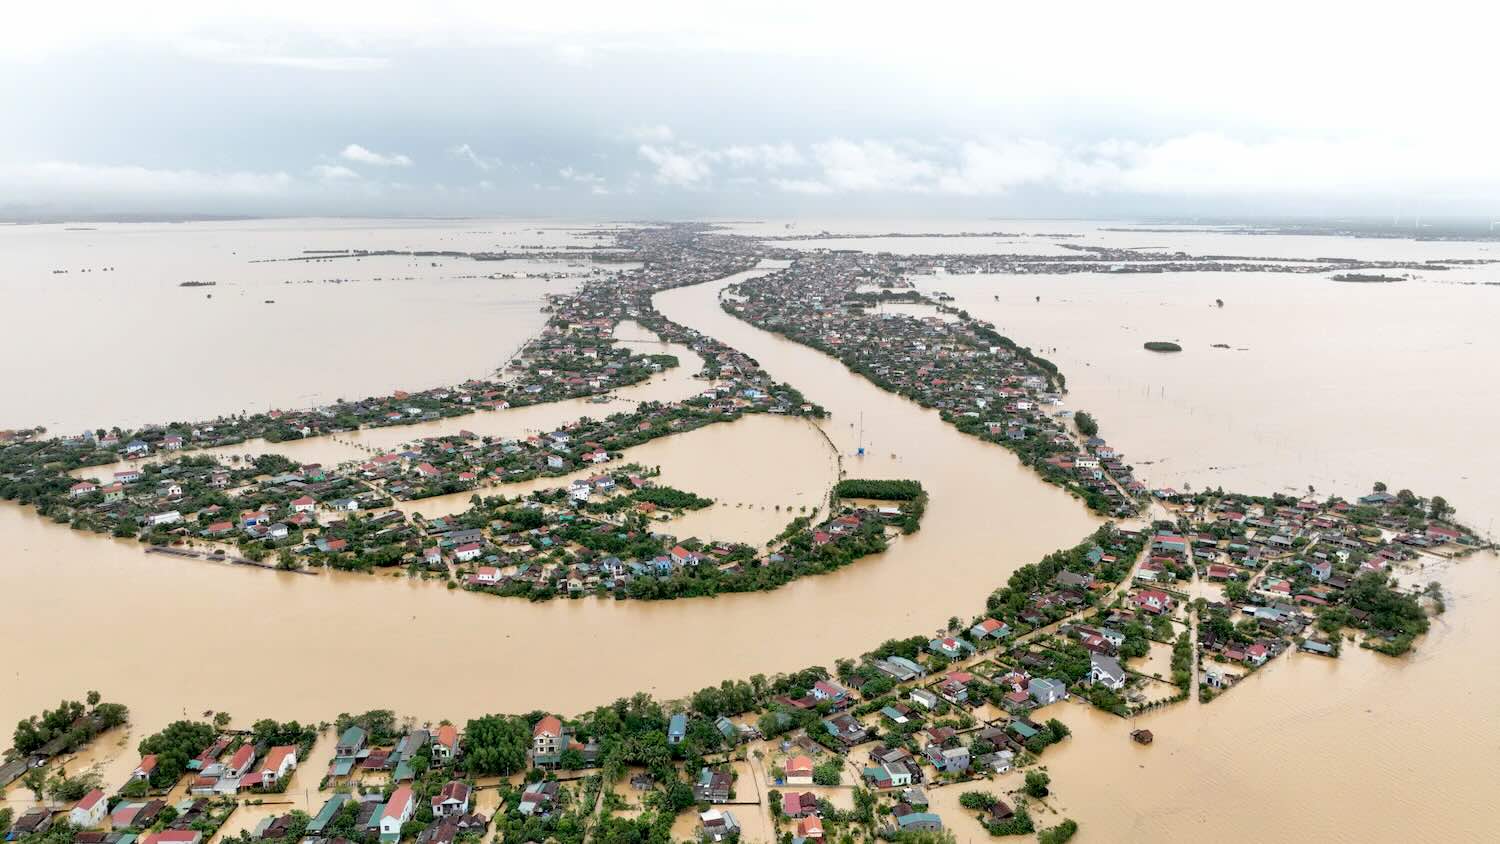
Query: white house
x=398, y=810
x=467, y=552
x=279, y=762
x=89, y=812
x=305, y=504
x=452, y=800
x=170, y=517
x=1106, y=671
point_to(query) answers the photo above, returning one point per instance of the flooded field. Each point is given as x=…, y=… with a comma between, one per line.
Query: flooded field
x=1334, y=385
x=268, y=334
x=1338, y=386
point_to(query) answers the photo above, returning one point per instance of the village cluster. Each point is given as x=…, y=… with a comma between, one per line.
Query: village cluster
x=1187, y=593
x=981, y=382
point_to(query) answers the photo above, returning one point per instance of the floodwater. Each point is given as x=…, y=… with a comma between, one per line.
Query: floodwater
x=1336, y=385
x=1339, y=385
x=175, y=638
x=124, y=344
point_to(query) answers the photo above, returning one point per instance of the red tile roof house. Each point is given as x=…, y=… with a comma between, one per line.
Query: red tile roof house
x=305, y=504
x=1153, y=601
x=237, y=768
x=398, y=810
x=452, y=800
x=810, y=828
x=89, y=812
x=795, y=805
x=173, y=836
x=468, y=551
x=279, y=762
x=799, y=771
x=445, y=743
x=144, y=769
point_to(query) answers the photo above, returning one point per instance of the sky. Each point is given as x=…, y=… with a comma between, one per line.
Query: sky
x=728, y=108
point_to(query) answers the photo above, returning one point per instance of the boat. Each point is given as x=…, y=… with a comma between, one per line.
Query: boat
x=1142, y=736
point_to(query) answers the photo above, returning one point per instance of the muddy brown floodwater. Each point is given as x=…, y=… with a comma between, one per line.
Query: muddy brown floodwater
x=1337, y=385
x=174, y=638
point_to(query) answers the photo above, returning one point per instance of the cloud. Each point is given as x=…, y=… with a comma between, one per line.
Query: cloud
x=358, y=154
x=594, y=182
x=769, y=156
x=872, y=166
x=334, y=173
x=231, y=53
x=658, y=134
x=464, y=152
x=678, y=168
x=807, y=186
x=65, y=181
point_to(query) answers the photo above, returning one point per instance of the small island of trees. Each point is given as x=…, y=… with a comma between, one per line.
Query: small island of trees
x=1162, y=346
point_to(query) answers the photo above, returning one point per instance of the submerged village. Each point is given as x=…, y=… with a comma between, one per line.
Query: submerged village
x=928, y=736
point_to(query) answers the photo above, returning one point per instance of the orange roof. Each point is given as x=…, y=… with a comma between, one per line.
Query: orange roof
x=447, y=735
x=550, y=725
x=400, y=800
x=277, y=756
x=798, y=764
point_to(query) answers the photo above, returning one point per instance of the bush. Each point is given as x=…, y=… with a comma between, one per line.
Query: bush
x=1060, y=833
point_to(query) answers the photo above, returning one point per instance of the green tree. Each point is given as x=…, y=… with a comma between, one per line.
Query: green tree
x=1036, y=783
x=1439, y=509
x=174, y=747
x=496, y=745
x=1086, y=423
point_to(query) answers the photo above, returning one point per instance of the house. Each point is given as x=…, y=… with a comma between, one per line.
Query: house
x=718, y=825
x=81, y=488
x=845, y=729
x=888, y=775
x=1045, y=690
x=537, y=799
x=470, y=551
x=1257, y=654
x=795, y=805
x=1320, y=570
x=919, y=821
x=1153, y=601
x=951, y=760
x=143, y=770
x=172, y=836
x=823, y=690
x=990, y=628
x=305, y=504
x=169, y=517
x=279, y=762
x=398, y=810
x=924, y=698
x=547, y=740
x=33, y=822
x=948, y=647
x=677, y=728
x=445, y=744
x=453, y=799
x=350, y=743
x=810, y=828
x=1106, y=670
x=326, y=814
x=799, y=771
x=239, y=764
x=714, y=786
x=89, y=812
x=1441, y=533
